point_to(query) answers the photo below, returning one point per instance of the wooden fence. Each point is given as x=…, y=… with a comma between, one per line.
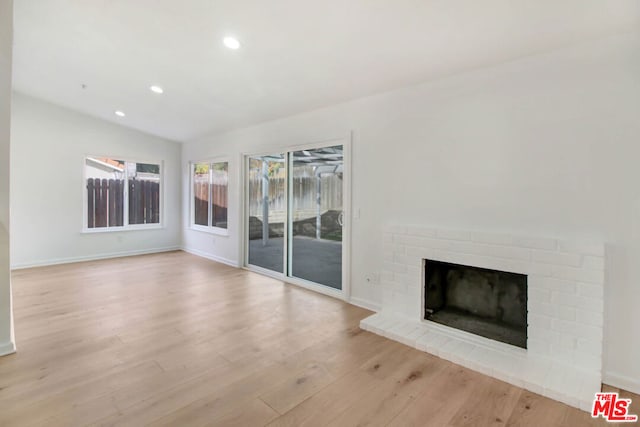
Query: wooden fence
x=105, y=202
x=201, y=202
x=304, y=195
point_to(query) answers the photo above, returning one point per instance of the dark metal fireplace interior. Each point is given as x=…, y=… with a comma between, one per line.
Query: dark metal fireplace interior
x=489, y=303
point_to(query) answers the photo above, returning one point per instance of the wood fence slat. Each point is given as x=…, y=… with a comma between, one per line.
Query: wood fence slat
x=101, y=195
x=111, y=199
x=132, y=201
x=105, y=202
x=146, y=198
x=97, y=184
x=147, y=202
x=201, y=202
x=97, y=197
x=90, y=204
x=156, y=203
x=140, y=202
x=219, y=204
x=304, y=194
x=119, y=196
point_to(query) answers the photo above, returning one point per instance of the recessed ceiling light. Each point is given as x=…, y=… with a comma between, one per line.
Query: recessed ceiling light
x=120, y=113
x=231, y=43
x=156, y=89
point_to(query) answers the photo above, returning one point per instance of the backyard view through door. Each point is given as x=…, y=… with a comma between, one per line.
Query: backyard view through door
x=295, y=209
x=267, y=211
x=316, y=216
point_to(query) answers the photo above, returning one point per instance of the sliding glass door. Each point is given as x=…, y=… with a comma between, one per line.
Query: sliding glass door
x=296, y=214
x=316, y=216
x=267, y=211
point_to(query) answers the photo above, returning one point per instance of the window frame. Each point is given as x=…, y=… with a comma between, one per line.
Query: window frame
x=125, y=202
x=211, y=229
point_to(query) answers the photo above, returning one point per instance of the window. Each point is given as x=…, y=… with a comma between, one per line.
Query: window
x=210, y=183
x=121, y=194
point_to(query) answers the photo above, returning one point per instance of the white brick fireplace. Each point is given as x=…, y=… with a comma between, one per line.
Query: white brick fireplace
x=565, y=287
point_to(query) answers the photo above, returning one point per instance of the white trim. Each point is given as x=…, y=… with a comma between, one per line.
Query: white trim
x=114, y=229
x=211, y=257
x=283, y=148
x=264, y=271
x=7, y=348
x=107, y=165
x=56, y=261
x=125, y=201
x=218, y=231
x=216, y=159
x=346, y=209
x=621, y=381
x=322, y=289
x=212, y=229
x=288, y=223
x=363, y=303
x=243, y=231
x=301, y=283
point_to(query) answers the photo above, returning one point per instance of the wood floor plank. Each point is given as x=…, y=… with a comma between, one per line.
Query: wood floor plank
x=253, y=413
x=89, y=398
x=173, y=339
x=533, y=408
x=288, y=394
x=328, y=403
x=379, y=405
x=440, y=402
x=491, y=406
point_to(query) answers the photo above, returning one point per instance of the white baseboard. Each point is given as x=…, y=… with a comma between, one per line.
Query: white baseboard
x=365, y=304
x=215, y=258
x=56, y=261
x=7, y=348
x=621, y=381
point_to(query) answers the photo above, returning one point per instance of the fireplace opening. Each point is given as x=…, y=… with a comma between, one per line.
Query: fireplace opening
x=489, y=303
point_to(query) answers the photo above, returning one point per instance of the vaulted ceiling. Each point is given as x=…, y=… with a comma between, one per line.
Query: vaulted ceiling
x=99, y=56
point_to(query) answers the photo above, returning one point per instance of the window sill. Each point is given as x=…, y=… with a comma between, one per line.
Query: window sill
x=124, y=228
x=210, y=230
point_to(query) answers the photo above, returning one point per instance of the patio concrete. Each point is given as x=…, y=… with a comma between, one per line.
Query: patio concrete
x=316, y=260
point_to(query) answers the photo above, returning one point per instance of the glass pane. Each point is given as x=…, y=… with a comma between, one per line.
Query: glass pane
x=220, y=185
x=316, y=216
x=105, y=192
x=267, y=211
x=144, y=193
x=201, y=194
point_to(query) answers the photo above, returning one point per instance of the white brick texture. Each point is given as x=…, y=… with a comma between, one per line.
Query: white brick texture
x=565, y=298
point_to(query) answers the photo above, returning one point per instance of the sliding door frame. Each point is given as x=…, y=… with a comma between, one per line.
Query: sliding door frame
x=343, y=293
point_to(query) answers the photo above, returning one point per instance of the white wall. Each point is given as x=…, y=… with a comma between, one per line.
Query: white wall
x=48, y=147
x=6, y=37
x=547, y=145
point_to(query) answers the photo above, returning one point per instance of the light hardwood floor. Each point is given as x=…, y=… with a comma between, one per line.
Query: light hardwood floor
x=175, y=340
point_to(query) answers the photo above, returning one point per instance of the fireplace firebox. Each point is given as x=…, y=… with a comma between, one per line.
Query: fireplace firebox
x=489, y=303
